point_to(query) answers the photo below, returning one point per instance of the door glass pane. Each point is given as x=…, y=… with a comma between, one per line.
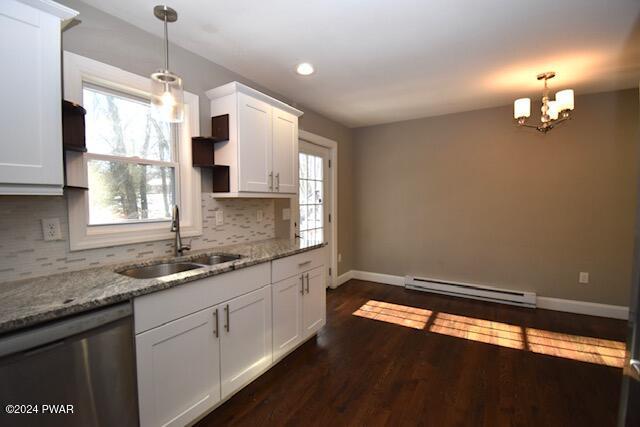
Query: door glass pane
x=311, y=199
x=303, y=166
x=318, y=169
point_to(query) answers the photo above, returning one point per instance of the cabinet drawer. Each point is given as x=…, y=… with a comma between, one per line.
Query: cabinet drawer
x=290, y=266
x=161, y=307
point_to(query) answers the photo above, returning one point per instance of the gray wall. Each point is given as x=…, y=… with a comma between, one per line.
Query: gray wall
x=105, y=38
x=471, y=197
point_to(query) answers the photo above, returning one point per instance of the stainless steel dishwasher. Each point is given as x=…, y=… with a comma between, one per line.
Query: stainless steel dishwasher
x=79, y=371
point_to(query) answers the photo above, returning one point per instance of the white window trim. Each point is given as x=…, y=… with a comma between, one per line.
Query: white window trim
x=78, y=69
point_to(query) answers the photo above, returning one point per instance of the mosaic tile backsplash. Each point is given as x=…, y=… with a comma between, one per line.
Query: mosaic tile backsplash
x=24, y=253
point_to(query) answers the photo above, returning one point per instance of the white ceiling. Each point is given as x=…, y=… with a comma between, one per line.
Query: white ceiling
x=388, y=60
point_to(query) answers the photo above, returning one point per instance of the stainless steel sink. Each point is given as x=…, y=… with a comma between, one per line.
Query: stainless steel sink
x=159, y=270
x=215, y=259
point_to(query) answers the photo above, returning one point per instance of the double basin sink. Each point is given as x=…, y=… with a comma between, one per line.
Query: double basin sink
x=168, y=268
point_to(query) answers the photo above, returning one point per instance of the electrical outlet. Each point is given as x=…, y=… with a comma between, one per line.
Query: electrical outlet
x=339, y=257
x=259, y=215
x=583, y=277
x=286, y=214
x=219, y=218
x=51, y=229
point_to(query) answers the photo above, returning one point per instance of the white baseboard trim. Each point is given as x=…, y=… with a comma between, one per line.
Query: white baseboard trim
x=584, y=307
x=387, y=279
x=343, y=278
x=557, y=304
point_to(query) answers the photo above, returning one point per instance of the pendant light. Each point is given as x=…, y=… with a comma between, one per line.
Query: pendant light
x=167, y=97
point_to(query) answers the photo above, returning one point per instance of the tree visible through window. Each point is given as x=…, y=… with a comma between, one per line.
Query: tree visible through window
x=131, y=159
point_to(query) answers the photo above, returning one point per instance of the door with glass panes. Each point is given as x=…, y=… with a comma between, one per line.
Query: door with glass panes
x=314, y=224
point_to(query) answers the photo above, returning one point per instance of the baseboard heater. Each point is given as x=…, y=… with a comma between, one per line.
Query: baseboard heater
x=467, y=290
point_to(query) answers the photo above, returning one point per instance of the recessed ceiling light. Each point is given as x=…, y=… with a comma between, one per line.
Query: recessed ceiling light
x=304, y=69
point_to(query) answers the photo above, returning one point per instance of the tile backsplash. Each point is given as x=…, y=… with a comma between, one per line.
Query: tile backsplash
x=24, y=253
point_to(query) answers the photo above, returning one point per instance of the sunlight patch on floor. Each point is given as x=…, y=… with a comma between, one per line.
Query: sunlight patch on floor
x=575, y=347
x=402, y=315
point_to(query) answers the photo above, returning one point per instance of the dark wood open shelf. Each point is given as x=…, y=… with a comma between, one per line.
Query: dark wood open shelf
x=73, y=127
x=203, y=152
x=74, y=148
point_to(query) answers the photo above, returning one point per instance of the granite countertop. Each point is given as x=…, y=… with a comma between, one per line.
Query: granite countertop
x=28, y=302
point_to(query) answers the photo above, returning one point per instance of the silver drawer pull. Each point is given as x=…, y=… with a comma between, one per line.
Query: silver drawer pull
x=227, y=327
x=215, y=315
x=302, y=264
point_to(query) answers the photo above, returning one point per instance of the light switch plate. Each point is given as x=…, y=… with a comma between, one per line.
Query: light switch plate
x=259, y=215
x=219, y=218
x=583, y=277
x=51, y=229
x=286, y=214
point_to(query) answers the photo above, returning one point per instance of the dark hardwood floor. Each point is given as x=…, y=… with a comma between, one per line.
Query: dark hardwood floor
x=360, y=371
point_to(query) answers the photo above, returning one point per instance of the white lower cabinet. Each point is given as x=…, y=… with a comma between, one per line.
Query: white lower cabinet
x=178, y=370
x=287, y=315
x=245, y=339
x=314, y=301
x=298, y=309
x=191, y=358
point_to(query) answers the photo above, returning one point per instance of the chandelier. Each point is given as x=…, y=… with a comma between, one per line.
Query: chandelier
x=554, y=111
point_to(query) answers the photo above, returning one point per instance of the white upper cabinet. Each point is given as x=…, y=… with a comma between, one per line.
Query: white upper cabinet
x=262, y=150
x=255, y=164
x=285, y=151
x=31, y=123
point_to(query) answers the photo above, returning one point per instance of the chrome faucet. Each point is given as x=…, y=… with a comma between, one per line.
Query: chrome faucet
x=175, y=227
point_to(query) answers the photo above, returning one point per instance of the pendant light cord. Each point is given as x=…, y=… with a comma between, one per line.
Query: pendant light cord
x=166, y=44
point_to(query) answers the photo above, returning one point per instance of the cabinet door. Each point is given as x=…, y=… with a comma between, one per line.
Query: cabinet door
x=245, y=340
x=30, y=117
x=178, y=370
x=287, y=314
x=285, y=151
x=314, y=301
x=255, y=158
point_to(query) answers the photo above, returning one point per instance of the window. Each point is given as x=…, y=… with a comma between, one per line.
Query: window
x=131, y=159
x=136, y=168
x=311, y=193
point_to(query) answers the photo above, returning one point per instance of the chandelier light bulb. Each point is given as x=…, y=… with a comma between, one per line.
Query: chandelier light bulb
x=565, y=99
x=521, y=108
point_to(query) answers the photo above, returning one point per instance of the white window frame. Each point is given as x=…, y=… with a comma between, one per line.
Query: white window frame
x=77, y=70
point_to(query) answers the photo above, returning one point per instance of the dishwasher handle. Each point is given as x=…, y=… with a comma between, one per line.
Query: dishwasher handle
x=59, y=330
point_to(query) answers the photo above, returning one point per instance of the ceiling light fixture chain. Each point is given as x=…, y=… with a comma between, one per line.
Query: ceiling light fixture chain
x=553, y=111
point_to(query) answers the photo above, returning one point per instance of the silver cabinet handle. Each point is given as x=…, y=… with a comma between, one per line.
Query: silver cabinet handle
x=302, y=264
x=302, y=284
x=635, y=364
x=227, y=327
x=271, y=180
x=215, y=316
x=278, y=181
x=307, y=282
